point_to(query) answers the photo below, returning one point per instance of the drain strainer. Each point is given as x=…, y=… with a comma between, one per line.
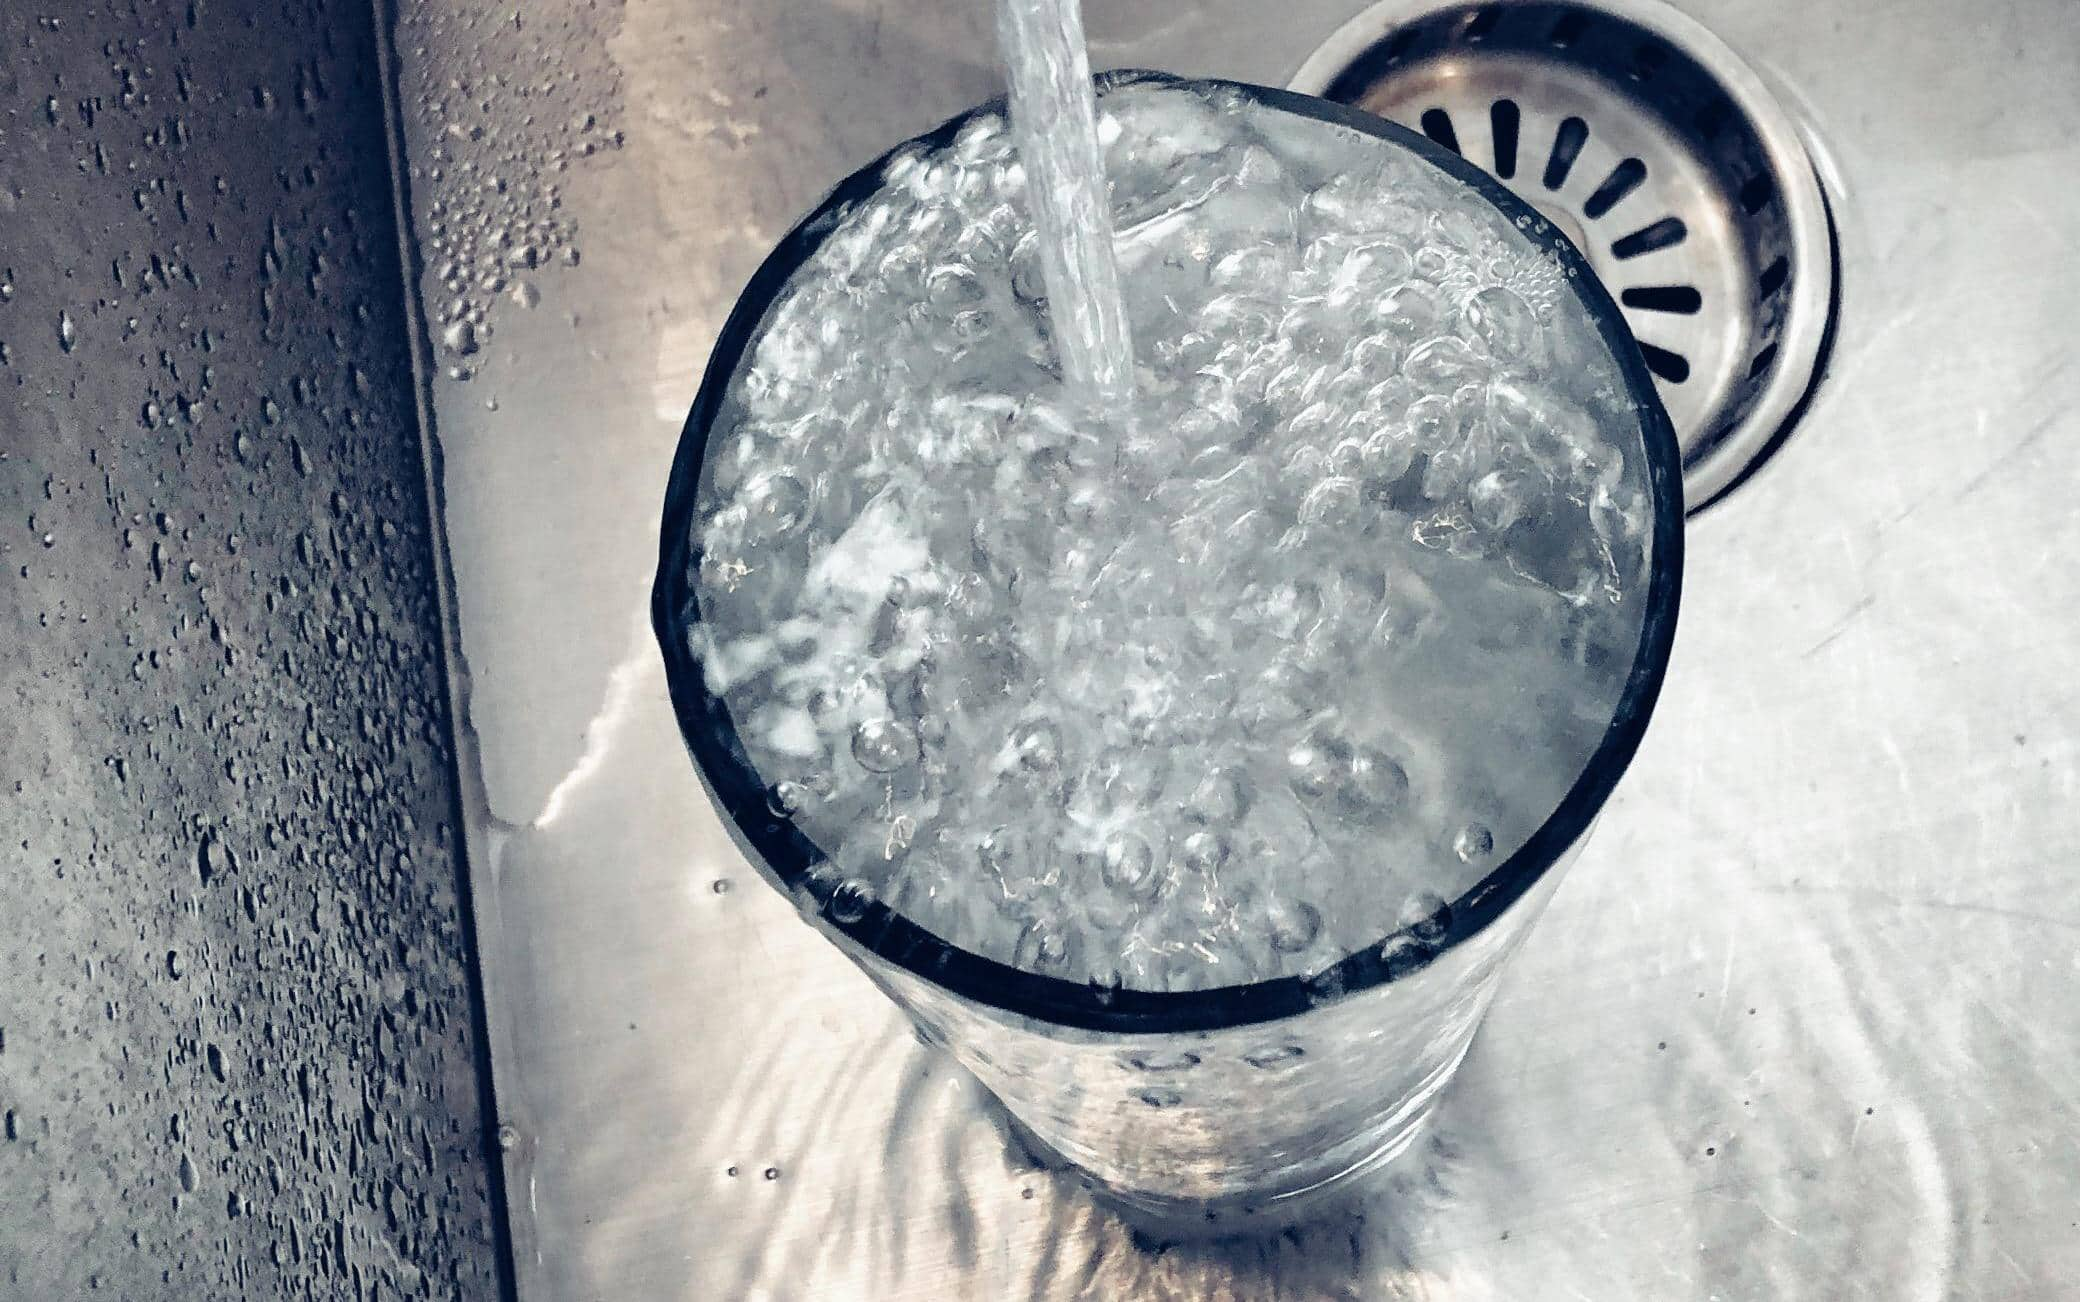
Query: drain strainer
x=1666, y=161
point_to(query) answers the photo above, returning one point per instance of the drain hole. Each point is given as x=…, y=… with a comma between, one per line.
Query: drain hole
x=1437, y=124
x=1680, y=299
x=1351, y=84
x=1567, y=146
x=1503, y=117
x=1667, y=231
x=1594, y=111
x=1711, y=118
x=1623, y=180
x=1673, y=367
x=1646, y=61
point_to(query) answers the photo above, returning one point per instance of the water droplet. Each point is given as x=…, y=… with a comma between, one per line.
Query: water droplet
x=213, y=858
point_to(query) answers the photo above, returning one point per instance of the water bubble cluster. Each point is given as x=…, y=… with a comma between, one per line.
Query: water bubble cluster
x=1225, y=685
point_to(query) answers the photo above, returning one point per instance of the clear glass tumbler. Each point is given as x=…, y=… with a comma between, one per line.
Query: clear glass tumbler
x=1209, y=1110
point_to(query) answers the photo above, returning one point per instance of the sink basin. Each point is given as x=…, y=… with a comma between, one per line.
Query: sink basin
x=1801, y=1018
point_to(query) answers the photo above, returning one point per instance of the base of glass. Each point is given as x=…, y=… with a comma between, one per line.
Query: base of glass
x=1319, y=1191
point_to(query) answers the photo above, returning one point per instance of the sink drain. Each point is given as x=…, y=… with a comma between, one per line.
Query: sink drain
x=1667, y=162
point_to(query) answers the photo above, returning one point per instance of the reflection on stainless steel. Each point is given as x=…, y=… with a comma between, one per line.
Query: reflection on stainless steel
x=1800, y=1019
x=238, y=1050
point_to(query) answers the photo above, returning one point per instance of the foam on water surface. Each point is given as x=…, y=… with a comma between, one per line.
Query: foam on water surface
x=1219, y=684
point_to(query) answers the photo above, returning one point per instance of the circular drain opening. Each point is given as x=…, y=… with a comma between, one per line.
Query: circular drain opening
x=1662, y=157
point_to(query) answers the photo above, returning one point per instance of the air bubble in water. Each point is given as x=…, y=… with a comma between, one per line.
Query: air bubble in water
x=1205, y=852
x=1130, y=865
x=850, y=900
x=1038, y=745
x=1220, y=797
x=1293, y=924
x=1473, y=843
x=1040, y=948
x=1500, y=318
x=1425, y=915
x=778, y=504
x=883, y=745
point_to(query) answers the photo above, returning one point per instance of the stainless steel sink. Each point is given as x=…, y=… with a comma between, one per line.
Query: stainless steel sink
x=1799, y=1023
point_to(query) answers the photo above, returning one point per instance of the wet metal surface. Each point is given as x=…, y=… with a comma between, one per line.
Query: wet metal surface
x=238, y=1056
x=1799, y=1021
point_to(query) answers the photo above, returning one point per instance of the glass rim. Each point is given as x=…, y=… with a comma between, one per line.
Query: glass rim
x=775, y=845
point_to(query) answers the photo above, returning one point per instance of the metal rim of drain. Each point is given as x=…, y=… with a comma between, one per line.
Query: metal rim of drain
x=1662, y=156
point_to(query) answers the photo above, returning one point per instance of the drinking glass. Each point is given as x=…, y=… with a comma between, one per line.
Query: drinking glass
x=1213, y=1109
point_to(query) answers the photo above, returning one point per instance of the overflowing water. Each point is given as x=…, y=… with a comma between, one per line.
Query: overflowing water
x=1054, y=116
x=1221, y=683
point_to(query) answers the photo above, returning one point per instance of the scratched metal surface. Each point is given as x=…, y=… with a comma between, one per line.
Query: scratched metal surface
x=1799, y=1023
